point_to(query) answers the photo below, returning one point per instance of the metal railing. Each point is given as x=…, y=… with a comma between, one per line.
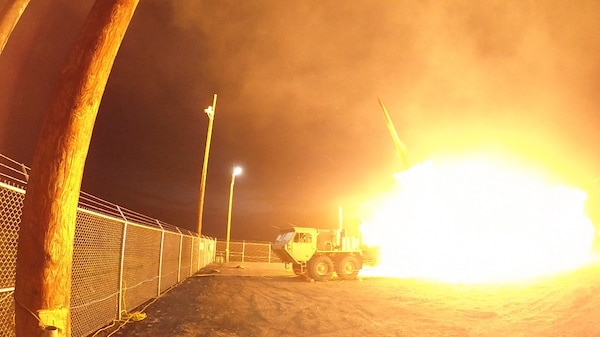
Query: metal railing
x=244, y=251
x=121, y=259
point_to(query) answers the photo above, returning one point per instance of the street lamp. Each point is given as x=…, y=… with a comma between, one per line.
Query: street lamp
x=210, y=112
x=236, y=171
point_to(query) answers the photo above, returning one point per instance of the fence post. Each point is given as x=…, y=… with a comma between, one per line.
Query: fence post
x=122, y=266
x=179, y=259
x=204, y=251
x=160, y=257
x=202, y=248
x=198, y=254
x=214, y=251
x=192, y=257
x=243, y=250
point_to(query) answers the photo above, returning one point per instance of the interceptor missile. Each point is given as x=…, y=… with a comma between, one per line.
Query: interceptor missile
x=400, y=147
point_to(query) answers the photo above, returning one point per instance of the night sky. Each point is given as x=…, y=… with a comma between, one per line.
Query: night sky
x=298, y=84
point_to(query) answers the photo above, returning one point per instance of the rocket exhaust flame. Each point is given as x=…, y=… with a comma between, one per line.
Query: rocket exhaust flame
x=477, y=221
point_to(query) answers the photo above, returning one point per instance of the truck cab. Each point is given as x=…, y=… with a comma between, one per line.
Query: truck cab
x=296, y=244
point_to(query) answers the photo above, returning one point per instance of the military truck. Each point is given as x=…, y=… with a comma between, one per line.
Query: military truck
x=318, y=253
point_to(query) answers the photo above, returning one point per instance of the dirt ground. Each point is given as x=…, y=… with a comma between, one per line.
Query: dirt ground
x=258, y=299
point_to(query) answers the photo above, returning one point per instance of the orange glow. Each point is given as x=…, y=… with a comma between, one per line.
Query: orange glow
x=478, y=220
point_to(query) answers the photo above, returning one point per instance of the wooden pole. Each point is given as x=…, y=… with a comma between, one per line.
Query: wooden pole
x=9, y=16
x=45, y=247
x=211, y=116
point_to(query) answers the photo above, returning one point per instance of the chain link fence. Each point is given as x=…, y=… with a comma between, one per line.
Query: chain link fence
x=244, y=251
x=121, y=259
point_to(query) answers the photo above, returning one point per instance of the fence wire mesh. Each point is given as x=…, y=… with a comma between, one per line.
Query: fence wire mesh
x=185, y=258
x=243, y=251
x=121, y=258
x=170, y=262
x=140, y=278
x=96, y=258
x=11, y=202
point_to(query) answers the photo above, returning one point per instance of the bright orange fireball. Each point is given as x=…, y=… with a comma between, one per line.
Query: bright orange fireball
x=478, y=221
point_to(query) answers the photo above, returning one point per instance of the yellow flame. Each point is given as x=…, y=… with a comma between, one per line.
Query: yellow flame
x=478, y=221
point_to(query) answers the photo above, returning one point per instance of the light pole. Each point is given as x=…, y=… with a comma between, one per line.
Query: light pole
x=210, y=111
x=236, y=171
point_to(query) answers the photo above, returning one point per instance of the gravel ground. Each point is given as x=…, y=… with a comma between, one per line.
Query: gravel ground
x=259, y=299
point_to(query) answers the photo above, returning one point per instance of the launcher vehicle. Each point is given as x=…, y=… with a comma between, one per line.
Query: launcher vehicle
x=318, y=253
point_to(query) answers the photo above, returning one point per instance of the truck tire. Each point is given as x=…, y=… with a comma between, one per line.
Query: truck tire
x=320, y=268
x=347, y=268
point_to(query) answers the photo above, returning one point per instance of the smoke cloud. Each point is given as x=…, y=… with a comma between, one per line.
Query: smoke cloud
x=298, y=85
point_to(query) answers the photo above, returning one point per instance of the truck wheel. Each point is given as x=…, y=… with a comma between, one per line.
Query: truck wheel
x=320, y=268
x=348, y=267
